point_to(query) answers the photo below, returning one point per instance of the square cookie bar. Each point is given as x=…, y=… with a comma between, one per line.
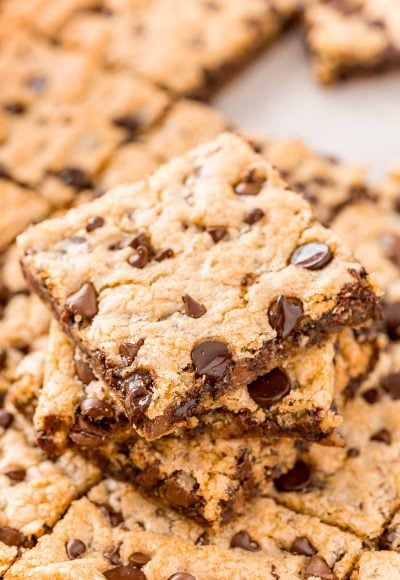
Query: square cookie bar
x=147, y=258
x=115, y=533
x=348, y=37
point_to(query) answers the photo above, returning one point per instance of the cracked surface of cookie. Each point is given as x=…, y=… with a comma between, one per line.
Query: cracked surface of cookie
x=127, y=292
x=349, y=37
x=130, y=531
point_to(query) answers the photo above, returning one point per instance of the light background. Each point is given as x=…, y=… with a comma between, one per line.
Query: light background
x=358, y=121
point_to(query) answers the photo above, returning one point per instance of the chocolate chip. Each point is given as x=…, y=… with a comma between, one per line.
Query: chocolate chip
x=297, y=479
x=83, y=371
x=141, y=240
x=244, y=541
x=203, y=540
x=253, y=216
x=115, y=518
x=178, y=491
x=37, y=84
x=164, y=254
x=193, y=308
x=130, y=123
x=139, y=559
x=94, y=223
x=284, y=314
x=371, y=396
x=182, y=576
x=114, y=555
x=211, y=358
x=96, y=409
x=353, y=452
x=319, y=568
x=391, y=247
x=14, y=108
x=312, y=256
x=75, y=177
x=302, y=547
x=138, y=392
x=391, y=385
x=75, y=548
x=16, y=474
x=217, y=234
x=387, y=539
x=391, y=313
x=251, y=184
x=270, y=388
x=124, y=572
x=84, y=301
x=11, y=537
x=382, y=436
x=6, y=418
x=3, y=358
x=86, y=438
x=141, y=258
x=129, y=350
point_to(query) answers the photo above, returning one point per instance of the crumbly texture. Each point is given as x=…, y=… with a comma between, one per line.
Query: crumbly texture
x=373, y=565
x=348, y=37
x=357, y=487
x=121, y=295
x=259, y=545
x=34, y=491
x=178, y=45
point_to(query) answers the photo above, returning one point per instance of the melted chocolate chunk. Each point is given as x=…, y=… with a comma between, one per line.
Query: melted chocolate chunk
x=16, y=474
x=129, y=350
x=387, y=539
x=251, y=184
x=94, y=223
x=203, y=540
x=114, y=555
x=211, y=359
x=270, y=388
x=141, y=258
x=11, y=537
x=253, y=216
x=297, y=479
x=84, y=301
x=86, y=434
x=371, y=396
x=164, y=254
x=312, y=256
x=96, y=409
x=391, y=314
x=75, y=177
x=303, y=547
x=178, y=496
x=130, y=123
x=353, y=452
x=193, y=308
x=217, y=234
x=382, y=436
x=128, y=572
x=284, y=314
x=391, y=385
x=83, y=371
x=244, y=541
x=6, y=418
x=75, y=548
x=319, y=568
x=142, y=240
x=115, y=518
x=14, y=108
x=138, y=391
x=139, y=559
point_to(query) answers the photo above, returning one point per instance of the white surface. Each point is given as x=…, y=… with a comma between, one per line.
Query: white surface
x=358, y=121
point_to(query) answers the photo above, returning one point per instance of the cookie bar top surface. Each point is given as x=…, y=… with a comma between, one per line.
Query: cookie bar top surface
x=352, y=36
x=146, y=258
x=267, y=542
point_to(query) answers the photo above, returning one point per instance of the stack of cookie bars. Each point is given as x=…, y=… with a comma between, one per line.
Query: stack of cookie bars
x=206, y=387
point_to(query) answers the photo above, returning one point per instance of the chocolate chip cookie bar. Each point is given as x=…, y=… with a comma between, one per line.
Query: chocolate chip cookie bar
x=348, y=37
x=356, y=487
x=34, y=491
x=147, y=257
x=115, y=533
